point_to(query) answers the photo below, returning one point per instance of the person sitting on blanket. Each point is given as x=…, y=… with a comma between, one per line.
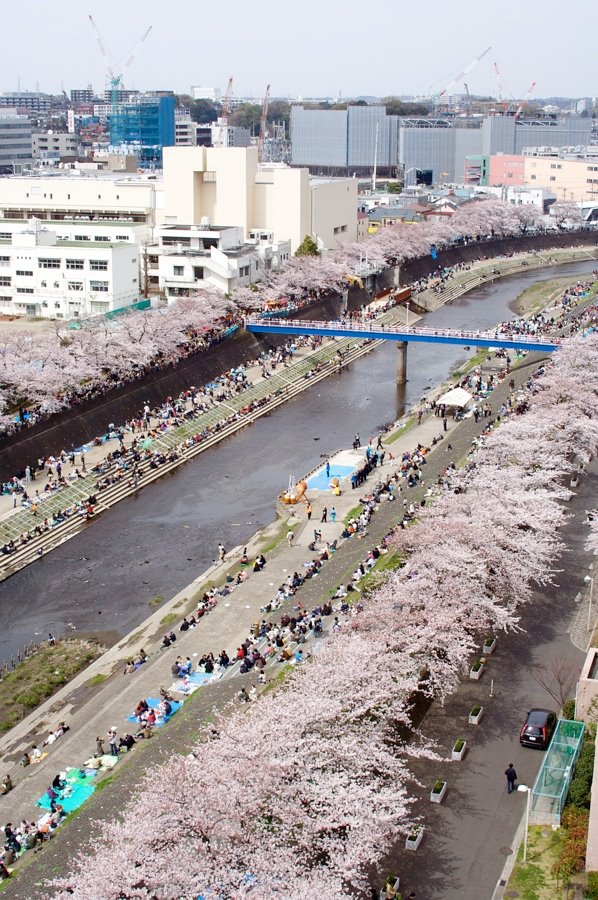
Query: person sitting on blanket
x=149, y=718
x=35, y=754
x=165, y=708
x=126, y=742
x=142, y=707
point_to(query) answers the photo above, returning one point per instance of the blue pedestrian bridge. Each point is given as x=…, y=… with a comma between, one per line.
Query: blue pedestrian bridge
x=376, y=331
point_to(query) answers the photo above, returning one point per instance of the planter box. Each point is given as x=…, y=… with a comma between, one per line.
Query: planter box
x=412, y=841
x=395, y=886
x=438, y=796
x=487, y=649
x=459, y=754
x=574, y=481
x=476, y=674
x=476, y=719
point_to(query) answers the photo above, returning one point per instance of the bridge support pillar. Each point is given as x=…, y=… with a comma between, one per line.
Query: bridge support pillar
x=401, y=362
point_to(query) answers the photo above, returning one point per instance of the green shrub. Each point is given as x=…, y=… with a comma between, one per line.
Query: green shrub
x=591, y=890
x=569, y=710
x=458, y=745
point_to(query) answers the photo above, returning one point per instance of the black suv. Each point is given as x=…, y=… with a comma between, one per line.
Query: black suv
x=537, y=728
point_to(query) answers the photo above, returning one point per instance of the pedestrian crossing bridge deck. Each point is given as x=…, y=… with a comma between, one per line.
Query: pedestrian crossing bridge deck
x=376, y=331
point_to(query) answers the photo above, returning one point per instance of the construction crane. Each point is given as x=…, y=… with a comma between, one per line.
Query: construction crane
x=468, y=101
x=462, y=74
x=222, y=122
x=116, y=70
x=525, y=99
x=501, y=94
x=263, y=125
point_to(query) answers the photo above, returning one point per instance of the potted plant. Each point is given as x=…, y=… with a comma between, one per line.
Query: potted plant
x=459, y=749
x=438, y=791
x=489, y=645
x=476, y=714
x=414, y=838
x=477, y=668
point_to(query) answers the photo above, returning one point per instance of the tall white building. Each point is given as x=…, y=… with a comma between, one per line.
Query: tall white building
x=226, y=184
x=43, y=277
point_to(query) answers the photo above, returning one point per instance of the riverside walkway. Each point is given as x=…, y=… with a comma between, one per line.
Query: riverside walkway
x=379, y=331
x=222, y=421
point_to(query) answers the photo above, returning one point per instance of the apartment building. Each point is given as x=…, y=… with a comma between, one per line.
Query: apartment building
x=41, y=276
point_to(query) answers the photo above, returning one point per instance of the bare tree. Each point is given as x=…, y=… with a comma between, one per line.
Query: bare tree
x=558, y=678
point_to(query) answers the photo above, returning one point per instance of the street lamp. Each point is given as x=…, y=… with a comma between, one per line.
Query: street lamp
x=589, y=579
x=407, y=317
x=526, y=790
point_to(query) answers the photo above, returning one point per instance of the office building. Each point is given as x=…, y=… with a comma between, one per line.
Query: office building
x=54, y=144
x=77, y=197
x=185, y=129
x=427, y=150
x=147, y=123
x=43, y=277
x=345, y=141
x=15, y=142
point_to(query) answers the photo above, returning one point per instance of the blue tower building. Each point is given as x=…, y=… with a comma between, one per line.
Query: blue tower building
x=148, y=125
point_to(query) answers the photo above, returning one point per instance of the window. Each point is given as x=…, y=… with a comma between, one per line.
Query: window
x=98, y=265
x=44, y=284
x=82, y=237
x=4, y=260
x=532, y=177
x=179, y=270
x=122, y=237
x=75, y=285
x=5, y=236
x=553, y=177
x=57, y=304
x=24, y=290
x=74, y=263
x=98, y=286
x=48, y=263
x=105, y=238
x=5, y=280
x=24, y=272
x=5, y=299
x=244, y=270
x=198, y=272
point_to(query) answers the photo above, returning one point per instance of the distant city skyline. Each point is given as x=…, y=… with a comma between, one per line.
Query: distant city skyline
x=316, y=49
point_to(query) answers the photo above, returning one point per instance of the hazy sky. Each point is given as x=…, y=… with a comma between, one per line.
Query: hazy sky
x=306, y=47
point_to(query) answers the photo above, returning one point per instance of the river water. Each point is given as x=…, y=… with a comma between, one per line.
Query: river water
x=158, y=542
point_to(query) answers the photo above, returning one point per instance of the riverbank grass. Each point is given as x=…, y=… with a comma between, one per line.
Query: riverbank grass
x=41, y=675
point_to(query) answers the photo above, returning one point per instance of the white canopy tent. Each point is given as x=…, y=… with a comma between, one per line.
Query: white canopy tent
x=455, y=397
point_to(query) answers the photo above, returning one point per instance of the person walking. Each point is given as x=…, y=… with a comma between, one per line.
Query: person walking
x=333, y=514
x=221, y=552
x=445, y=424
x=327, y=468
x=511, y=778
x=324, y=515
x=290, y=538
x=309, y=510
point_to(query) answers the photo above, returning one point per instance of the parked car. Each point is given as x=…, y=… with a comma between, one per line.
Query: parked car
x=537, y=728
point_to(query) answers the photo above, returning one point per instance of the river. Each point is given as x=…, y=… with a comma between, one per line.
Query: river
x=159, y=541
